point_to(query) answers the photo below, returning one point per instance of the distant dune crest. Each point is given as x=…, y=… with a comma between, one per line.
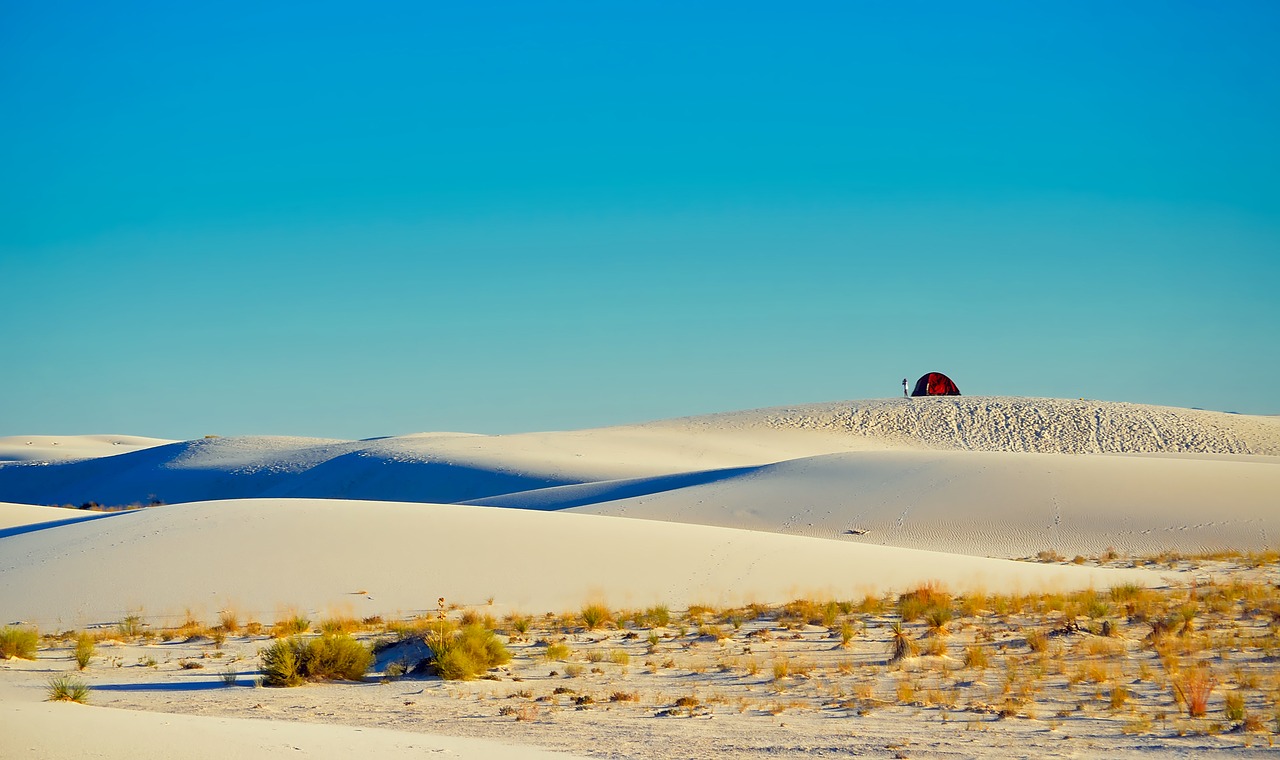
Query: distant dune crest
x=1010, y=423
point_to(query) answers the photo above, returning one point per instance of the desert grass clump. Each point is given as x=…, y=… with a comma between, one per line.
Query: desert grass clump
x=922, y=600
x=658, y=616
x=67, y=689
x=595, y=616
x=467, y=653
x=1037, y=641
x=557, y=651
x=18, y=642
x=519, y=624
x=130, y=627
x=336, y=625
x=1192, y=689
x=229, y=621
x=84, y=649
x=619, y=657
x=293, y=661
x=1235, y=707
x=937, y=618
x=976, y=657
x=901, y=644
x=291, y=626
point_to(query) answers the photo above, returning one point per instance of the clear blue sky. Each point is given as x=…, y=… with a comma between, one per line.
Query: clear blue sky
x=342, y=220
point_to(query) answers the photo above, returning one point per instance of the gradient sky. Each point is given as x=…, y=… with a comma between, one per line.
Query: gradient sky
x=341, y=220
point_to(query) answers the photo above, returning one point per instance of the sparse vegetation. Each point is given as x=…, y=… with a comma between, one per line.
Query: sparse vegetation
x=18, y=642
x=294, y=660
x=595, y=615
x=466, y=653
x=68, y=689
x=84, y=650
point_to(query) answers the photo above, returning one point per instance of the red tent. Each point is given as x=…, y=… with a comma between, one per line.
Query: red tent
x=935, y=384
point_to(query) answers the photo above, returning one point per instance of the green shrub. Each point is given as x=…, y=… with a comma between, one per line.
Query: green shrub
x=658, y=616
x=465, y=654
x=18, y=642
x=84, y=650
x=292, y=661
x=558, y=651
x=131, y=626
x=282, y=662
x=595, y=615
x=68, y=689
x=337, y=658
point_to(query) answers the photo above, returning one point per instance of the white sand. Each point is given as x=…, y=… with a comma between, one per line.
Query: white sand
x=54, y=448
x=838, y=499
x=39, y=730
x=982, y=503
x=262, y=557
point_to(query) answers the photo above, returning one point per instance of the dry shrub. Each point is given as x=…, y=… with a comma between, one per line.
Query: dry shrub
x=1192, y=690
x=293, y=661
x=465, y=654
x=18, y=642
x=923, y=599
x=595, y=615
x=68, y=689
x=976, y=657
x=340, y=624
x=84, y=649
x=901, y=643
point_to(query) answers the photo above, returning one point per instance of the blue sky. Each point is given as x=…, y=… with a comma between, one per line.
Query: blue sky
x=323, y=219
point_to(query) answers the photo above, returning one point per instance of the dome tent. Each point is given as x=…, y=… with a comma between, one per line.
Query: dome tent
x=935, y=384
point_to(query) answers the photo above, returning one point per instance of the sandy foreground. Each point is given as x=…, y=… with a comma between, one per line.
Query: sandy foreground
x=847, y=503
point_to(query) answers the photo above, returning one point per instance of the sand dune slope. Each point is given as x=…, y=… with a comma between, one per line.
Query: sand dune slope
x=451, y=467
x=988, y=504
x=39, y=730
x=56, y=448
x=362, y=558
x=1010, y=423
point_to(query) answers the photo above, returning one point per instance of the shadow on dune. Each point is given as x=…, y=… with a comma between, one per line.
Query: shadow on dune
x=18, y=530
x=583, y=494
x=193, y=685
x=362, y=475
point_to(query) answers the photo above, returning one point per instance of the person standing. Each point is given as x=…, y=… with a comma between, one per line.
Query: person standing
x=904, y=388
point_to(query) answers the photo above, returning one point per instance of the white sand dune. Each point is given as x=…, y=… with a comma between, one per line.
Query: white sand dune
x=1002, y=477
x=55, y=448
x=22, y=516
x=263, y=556
x=988, y=504
x=917, y=473
x=821, y=501
x=38, y=730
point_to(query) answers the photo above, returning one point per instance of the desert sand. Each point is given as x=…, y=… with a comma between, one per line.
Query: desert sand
x=841, y=501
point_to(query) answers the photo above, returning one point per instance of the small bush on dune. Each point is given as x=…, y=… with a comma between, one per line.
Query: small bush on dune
x=131, y=626
x=282, y=663
x=595, y=615
x=901, y=643
x=337, y=625
x=291, y=626
x=466, y=654
x=337, y=658
x=1192, y=690
x=292, y=661
x=84, y=650
x=68, y=689
x=924, y=599
x=658, y=616
x=18, y=642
